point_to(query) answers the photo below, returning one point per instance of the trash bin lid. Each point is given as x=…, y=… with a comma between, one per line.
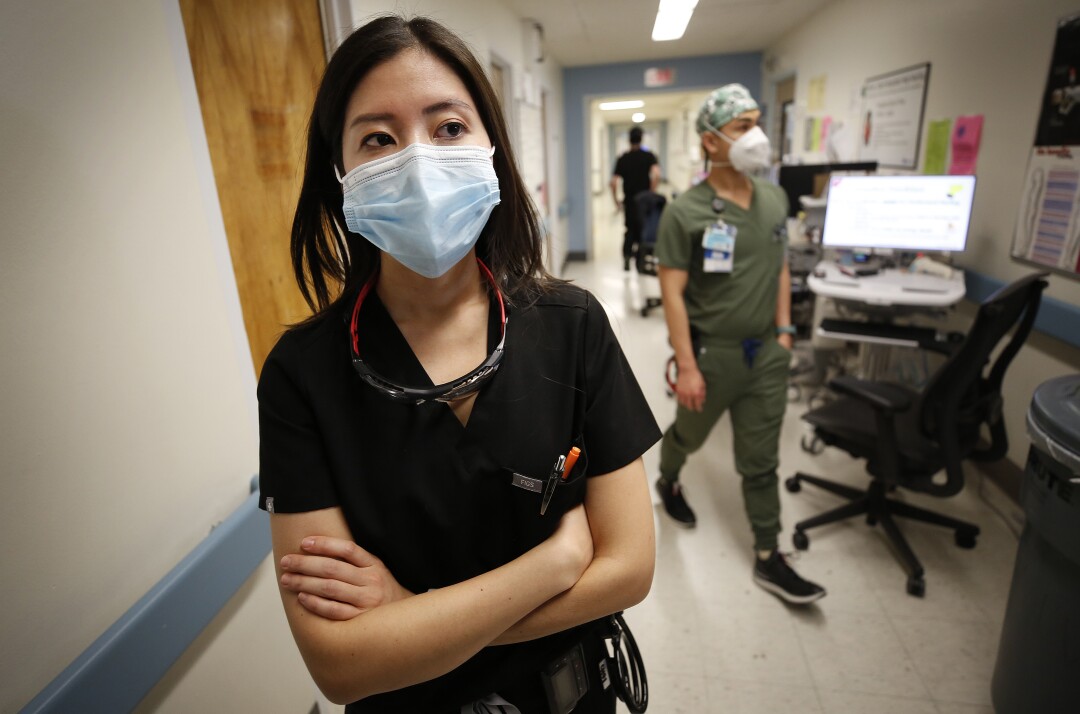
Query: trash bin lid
x=1055, y=416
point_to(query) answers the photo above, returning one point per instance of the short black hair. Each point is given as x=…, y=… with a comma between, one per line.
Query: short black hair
x=635, y=135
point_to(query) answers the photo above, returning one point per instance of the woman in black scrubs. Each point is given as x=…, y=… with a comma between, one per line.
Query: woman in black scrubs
x=410, y=429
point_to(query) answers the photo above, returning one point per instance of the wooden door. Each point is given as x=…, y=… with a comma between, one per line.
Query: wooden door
x=257, y=65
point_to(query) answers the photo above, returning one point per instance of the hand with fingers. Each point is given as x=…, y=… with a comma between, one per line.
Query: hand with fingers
x=690, y=388
x=337, y=579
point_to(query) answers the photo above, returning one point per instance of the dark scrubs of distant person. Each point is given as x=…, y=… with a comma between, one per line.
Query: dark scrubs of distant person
x=639, y=170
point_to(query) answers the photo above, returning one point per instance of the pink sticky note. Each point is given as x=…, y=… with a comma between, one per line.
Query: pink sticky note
x=967, y=131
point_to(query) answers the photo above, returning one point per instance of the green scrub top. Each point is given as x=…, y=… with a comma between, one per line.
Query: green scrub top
x=726, y=307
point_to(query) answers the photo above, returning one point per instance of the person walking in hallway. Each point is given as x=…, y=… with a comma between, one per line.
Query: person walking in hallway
x=639, y=170
x=727, y=301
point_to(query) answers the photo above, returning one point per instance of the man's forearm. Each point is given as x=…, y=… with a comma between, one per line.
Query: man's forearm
x=672, y=286
x=783, y=298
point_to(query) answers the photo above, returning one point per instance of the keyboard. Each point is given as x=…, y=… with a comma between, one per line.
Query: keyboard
x=921, y=283
x=880, y=332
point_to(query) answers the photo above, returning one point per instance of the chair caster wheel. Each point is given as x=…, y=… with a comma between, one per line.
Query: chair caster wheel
x=916, y=586
x=965, y=539
x=800, y=541
x=792, y=484
x=812, y=445
x=644, y=312
x=871, y=521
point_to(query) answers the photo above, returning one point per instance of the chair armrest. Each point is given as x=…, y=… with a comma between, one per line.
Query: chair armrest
x=879, y=395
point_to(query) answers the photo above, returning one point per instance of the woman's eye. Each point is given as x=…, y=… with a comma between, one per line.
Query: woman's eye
x=451, y=130
x=378, y=140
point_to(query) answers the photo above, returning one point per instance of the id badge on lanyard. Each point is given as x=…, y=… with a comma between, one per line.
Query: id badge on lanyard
x=719, y=247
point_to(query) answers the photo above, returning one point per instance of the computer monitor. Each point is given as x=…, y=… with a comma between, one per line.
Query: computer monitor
x=907, y=213
x=798, y=179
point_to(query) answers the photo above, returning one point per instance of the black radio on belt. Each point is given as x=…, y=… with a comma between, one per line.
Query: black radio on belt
x=565, y=681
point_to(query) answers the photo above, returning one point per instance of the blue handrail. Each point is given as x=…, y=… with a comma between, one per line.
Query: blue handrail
x=121, y=667
x=1056, y=318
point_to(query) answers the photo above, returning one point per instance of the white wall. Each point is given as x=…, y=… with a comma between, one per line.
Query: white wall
x=987, y=57
x=492, y=28
x=127, y=428
x=685, y=159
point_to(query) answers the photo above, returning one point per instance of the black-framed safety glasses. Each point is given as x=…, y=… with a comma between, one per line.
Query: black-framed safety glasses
x=447, y=392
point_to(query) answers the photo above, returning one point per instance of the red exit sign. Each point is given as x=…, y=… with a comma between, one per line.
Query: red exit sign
x=659, y=76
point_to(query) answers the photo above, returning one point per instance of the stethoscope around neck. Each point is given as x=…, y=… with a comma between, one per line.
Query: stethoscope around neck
x=447, y=392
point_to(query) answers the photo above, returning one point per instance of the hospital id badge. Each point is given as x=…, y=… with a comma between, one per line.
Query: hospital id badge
x=719, y=247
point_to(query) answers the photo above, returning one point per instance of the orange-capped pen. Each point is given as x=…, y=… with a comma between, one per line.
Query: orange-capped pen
x=571, y=459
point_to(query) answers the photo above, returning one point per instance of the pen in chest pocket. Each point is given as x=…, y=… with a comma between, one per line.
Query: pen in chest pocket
x=562, y=468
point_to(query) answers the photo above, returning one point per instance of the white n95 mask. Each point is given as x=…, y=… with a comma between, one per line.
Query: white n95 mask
x=425, y=205
x=750, y=152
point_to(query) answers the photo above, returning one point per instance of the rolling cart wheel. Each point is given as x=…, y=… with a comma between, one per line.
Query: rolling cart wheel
x=792, y=484
x=644, y=312
x=916, y=587
x=800, y=540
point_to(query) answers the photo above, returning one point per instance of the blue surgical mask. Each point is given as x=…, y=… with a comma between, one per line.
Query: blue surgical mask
x=425, y=205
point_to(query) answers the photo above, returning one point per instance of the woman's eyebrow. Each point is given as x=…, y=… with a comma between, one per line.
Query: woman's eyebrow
x=428, y=110
x=365, y=118
x=447, y=104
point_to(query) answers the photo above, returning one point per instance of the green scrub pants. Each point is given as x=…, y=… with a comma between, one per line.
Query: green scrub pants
x=757, y=398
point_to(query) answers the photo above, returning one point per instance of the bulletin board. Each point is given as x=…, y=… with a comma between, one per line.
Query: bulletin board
x=1048, y=225
x=892, y=117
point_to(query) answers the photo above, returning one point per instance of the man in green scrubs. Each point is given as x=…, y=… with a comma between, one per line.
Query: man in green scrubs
x=727, y=301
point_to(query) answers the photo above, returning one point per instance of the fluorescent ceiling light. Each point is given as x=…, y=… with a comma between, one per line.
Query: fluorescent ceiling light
x=672, y=17
x=632, y=104
x=638, y=117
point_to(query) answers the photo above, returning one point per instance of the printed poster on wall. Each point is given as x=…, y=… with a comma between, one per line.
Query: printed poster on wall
x=892, y=116
x=1047, y=225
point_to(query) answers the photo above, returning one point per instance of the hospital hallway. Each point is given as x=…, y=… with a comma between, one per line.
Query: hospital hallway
x=713, y=641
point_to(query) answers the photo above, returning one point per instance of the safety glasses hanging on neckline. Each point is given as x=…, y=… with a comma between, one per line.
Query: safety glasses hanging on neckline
x=447, y=392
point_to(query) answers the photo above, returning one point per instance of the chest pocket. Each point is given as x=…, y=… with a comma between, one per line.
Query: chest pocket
x=525, y=485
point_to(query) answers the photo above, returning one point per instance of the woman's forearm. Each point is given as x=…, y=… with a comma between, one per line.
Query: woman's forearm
x=422, y=637
x=418, y=638
x=608, y=585
x=620, y=575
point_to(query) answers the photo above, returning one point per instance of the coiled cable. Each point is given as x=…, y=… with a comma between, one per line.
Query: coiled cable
x=631, y=684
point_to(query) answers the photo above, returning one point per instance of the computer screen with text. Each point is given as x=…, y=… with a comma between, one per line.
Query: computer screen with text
x=909, y=213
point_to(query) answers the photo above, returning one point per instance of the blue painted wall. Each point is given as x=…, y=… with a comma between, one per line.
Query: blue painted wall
x=581, y=84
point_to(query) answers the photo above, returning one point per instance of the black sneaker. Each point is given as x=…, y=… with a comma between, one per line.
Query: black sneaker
x=775, y=575
x=676, y=506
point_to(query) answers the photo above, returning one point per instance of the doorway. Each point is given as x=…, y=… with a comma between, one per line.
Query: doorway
x=257, y=64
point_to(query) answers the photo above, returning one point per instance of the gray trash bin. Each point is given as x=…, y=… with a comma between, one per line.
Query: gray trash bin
x=1038, y=660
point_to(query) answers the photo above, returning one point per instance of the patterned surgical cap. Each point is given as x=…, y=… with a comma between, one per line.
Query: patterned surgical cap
x=723, y=105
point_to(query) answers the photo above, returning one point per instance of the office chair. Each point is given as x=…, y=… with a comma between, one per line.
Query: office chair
x=907, y=437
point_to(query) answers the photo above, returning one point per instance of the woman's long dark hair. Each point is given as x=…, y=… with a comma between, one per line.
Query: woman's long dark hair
x=329, y=261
